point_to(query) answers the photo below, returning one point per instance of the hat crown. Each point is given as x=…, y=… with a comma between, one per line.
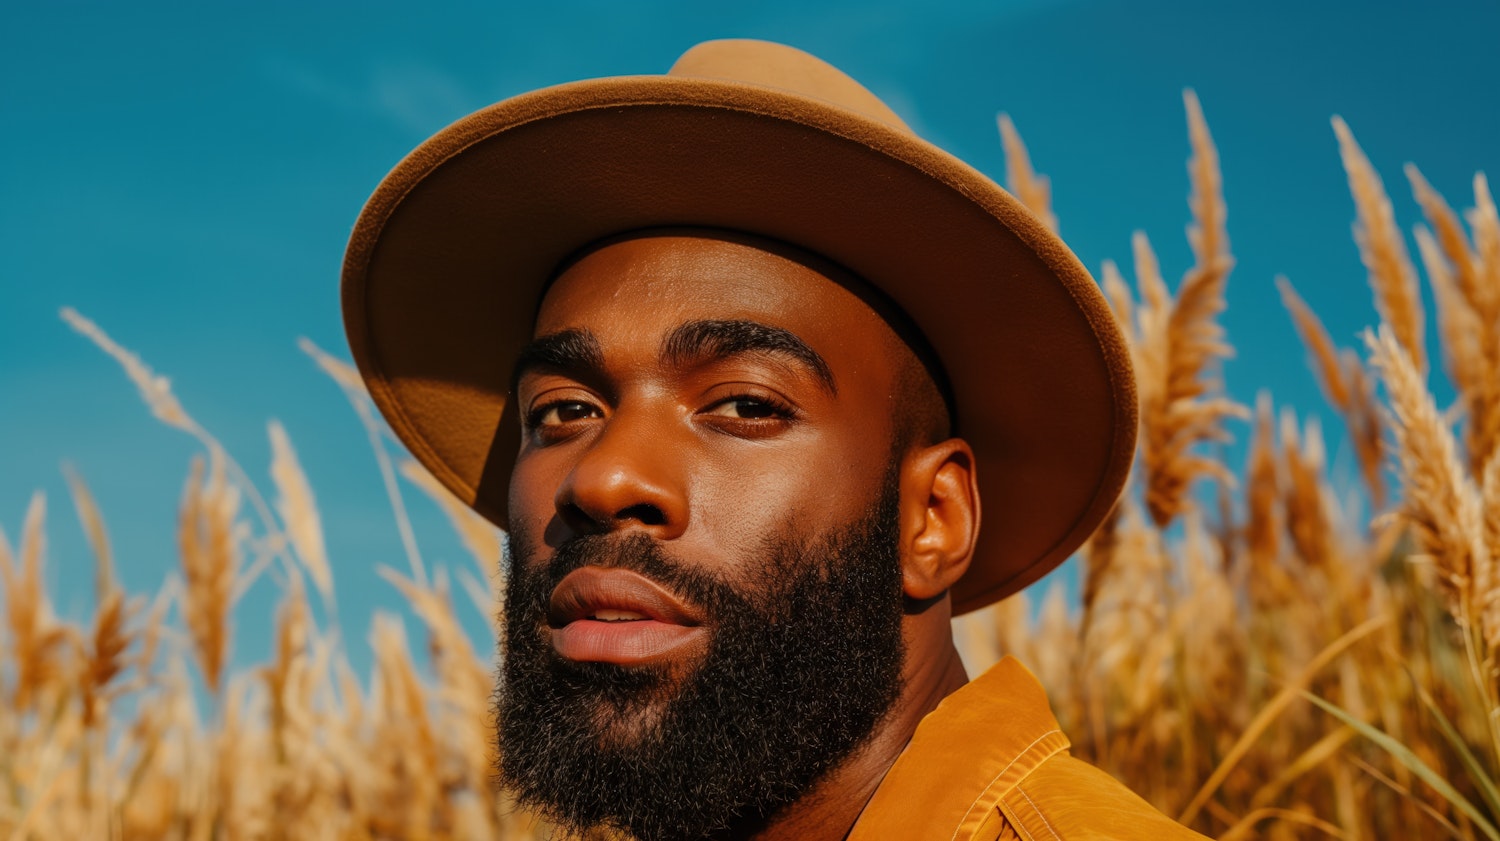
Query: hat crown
x=451, y=255
x=785, y=68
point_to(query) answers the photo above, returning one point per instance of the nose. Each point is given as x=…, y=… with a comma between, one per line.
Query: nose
x=629, y=478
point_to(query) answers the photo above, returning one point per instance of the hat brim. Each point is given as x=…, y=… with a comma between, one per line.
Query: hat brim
x=447, y=262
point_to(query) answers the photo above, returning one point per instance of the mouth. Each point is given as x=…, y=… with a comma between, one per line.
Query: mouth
x=618, y=616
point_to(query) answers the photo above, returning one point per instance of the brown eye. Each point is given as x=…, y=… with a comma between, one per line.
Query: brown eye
x=745, y=408
x=749, y=408
x=567, y=411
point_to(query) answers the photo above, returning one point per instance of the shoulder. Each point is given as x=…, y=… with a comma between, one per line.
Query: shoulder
x=992, y=763
x=1066, y=799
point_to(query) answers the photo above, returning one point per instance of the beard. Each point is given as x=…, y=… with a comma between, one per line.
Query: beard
x=799, y=669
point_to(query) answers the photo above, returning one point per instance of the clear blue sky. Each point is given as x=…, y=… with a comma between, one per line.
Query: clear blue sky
x=187, y=174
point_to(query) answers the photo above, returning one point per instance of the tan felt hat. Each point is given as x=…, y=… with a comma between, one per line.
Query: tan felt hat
x=449, y=258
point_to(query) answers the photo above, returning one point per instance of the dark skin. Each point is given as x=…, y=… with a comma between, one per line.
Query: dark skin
x=689, y=415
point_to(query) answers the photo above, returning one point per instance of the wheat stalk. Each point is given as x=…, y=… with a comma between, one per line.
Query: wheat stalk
x=157, y=392
x=1455, y=243
x=1288, y=694
x=1034, y=190
x=1462, y=331
x=209, y=546
x=341, y=372
x=1318, y=343
x=1484, y=399
x=1392, y=277
x=404, y=723
x=348, y=379
x=106, y=657
x=35, y=636
x=1346, y=385
x=1263, y=524
x=155, y=389
x=1443, y=504
x=1166, y=677
x=299, y=512
x=1490, y=493
x=1366, y=428
x=1207, y=234
x=93, y=529
x=464, y=679
x=1484, y=221
x=1117, y=293
x=1468, y=298
x=1307, y=510
x=1179, y=339
x=1464, y=339
x=241, y=801
x=479, y=536
x=293, y=632
x=1098, y=563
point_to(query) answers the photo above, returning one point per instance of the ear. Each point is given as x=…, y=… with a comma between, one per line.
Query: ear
x=939, y=517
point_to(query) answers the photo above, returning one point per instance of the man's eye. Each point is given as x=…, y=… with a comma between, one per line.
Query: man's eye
x=554, y=414
x=748, y=408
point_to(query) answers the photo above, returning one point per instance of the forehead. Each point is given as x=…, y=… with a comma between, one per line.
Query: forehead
x=647, y=285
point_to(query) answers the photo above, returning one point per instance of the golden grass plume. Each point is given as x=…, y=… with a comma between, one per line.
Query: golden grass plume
x=1179, y=665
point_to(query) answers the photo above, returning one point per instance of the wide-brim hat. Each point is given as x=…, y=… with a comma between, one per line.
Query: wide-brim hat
x=449, y=259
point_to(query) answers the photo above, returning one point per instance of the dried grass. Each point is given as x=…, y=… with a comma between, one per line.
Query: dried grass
x=105, y=659
x=209, y=545
x=155, y=389
x=92, y=522
x=37, y=639
x=1177, y=341
x=299, y=512
x=1348, y=387
x=1179, y=668
x=1265, y=577
x=479, y=536
x=1182, y=644
x=1465, y=282
x=349, y=380
x=1033, y=189
x=1383, y=250
x=1444, y=505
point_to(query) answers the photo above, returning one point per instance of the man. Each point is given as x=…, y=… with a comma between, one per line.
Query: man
x=734, y=356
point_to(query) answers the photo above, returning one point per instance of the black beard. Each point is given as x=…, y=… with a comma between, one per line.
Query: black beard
x=799, y=671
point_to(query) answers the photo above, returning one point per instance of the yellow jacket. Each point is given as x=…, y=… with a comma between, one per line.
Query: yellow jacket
x=991, y=764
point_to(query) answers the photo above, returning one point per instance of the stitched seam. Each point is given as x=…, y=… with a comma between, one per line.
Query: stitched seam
x=996, y=778
x=1015, y=823
x=1038, y=811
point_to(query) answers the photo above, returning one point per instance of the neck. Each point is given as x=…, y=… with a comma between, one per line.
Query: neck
x=932, y=671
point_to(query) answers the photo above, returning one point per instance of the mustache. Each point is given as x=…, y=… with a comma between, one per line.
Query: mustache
x=636, y=552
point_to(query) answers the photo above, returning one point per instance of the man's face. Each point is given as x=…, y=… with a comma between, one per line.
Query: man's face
x=704, y=605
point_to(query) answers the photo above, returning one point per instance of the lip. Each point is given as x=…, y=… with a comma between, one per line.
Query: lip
x=670, y=627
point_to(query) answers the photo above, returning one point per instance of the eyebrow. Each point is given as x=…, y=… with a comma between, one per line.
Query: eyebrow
x=572, y=350
x=577, y=350
x=700, y=341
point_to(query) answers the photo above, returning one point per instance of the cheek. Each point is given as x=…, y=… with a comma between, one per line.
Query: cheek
x=772, y=495
x=530, y=506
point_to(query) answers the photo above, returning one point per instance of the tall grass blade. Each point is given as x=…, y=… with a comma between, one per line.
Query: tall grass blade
x=1477, y=772
x=1274, y=708
x=1413, y=763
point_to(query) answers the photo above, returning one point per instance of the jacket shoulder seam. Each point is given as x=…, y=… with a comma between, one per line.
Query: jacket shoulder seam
x=1038, y=811
x=991, y=784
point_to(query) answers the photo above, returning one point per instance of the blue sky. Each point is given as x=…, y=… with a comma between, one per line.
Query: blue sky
x=187, y=175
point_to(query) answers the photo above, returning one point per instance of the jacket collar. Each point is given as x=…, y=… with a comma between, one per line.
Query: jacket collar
x=964, y=757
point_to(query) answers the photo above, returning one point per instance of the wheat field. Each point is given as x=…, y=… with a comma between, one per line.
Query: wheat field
x=1249, y=648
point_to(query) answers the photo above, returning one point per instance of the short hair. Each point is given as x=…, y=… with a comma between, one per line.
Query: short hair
x=919, y=414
